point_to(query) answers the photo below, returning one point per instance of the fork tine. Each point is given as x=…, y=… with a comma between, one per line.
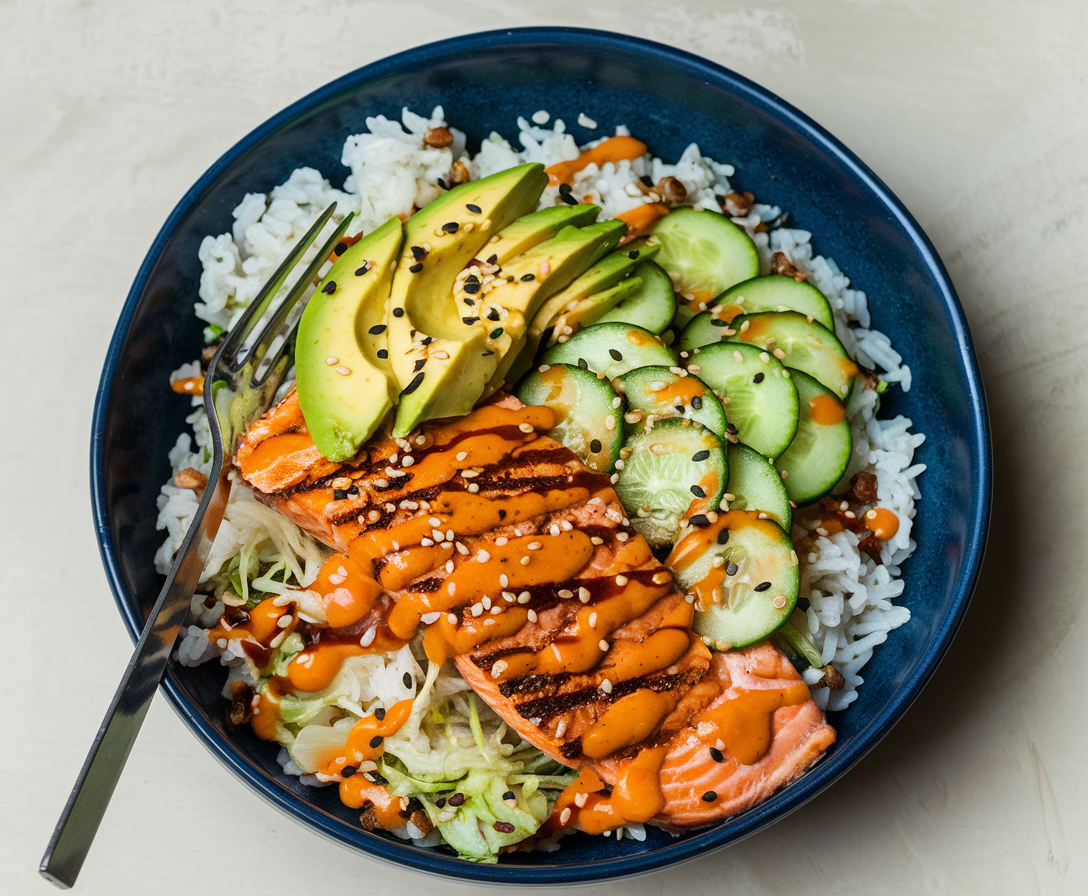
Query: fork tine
x=230, y=349
x=272, y=329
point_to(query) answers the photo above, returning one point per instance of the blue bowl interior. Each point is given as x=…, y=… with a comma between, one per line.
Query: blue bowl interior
x=669, y=99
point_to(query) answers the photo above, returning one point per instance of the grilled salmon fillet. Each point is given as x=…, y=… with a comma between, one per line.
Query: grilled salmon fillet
x=521, y=566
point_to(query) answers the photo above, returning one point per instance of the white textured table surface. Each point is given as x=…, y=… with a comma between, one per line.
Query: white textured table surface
x=974, y=113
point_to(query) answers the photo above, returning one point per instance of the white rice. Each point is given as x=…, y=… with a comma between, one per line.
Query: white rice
x=852, y=598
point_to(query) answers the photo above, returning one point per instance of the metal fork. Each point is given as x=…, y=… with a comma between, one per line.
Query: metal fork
x=240, y=385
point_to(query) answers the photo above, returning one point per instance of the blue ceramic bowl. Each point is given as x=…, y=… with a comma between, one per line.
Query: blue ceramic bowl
x=668, y=98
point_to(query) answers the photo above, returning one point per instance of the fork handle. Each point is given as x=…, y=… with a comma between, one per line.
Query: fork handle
x=102, y=768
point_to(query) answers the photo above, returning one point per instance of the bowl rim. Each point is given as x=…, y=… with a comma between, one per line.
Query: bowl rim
x=784, y=802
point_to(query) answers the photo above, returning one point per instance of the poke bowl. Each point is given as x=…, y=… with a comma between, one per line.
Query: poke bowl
x=594, y=82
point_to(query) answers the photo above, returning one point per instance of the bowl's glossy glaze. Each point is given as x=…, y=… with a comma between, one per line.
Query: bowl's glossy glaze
x=669, y=99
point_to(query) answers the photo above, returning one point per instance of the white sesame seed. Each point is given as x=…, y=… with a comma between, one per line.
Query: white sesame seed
x=525, y=560
x=449, y=566
x=470, y=474
x=430, y=618
x=483, y=556
x=565, y=525
x=437, y=534
x=476, y=610
x=621, y=580
x=660, y=578
x=617, y=401
x=596, y=539
x=603, y=644
x=525, y=427
x=451, y=618
x=622, y=536
x=593, y=619
x=580, y=799
x=614, y=478
x=738, y=357
x=657, y=386
x=564, y=816
x=583, y=594
x=498, y=668
x=534, y=546
x=368, y=637
x=606, y=686
x=472, y=487
x=461, y=455
x=504, y=580
x=565, y=593
x=331, y=360
x=544, y=368
x=425, y=542
x=495, y=610
x=501, y=540
x=462, y=549
x=343, y=371
x=524, y=597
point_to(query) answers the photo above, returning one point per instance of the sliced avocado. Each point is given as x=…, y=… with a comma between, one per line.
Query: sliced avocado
x=537, y=274
x=345, y=386
x=589, y=297
x=441, y=364
x=532, y=229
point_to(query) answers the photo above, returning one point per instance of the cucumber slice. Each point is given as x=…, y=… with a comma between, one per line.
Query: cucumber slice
x=611, y=349
x=673, y=472
x=800, y=344
x=774, y=292
x=756, y=391
x=756, y=485
x=583, y=405
x=704, y=329
x=820, y=452
x=651, y=306
x=660, y=394
x=704, y=253
x=743, y=574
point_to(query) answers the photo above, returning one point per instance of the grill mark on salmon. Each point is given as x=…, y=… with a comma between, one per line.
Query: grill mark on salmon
x=596, y=666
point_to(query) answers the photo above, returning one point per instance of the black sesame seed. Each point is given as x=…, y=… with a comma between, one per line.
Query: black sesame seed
x=457, y=799
x=568, y=199
x=595, y=446
x=758, y=378
x=496, y=333
x=698, y=491
x=419, y=253
x=377, y=329
x=709, y=796
x=354, y=490
x=472, y=278
x=470, y=302
x=615, y=355
x=527, y=277
x=471, y=288
x=408, y=680
x=419, y=365
x=379, y=713
x=329, y=288
x=339, y=494
x=383, y=353
x=475, y=209
x=443, y=184
x=504, y=827
x=416, y=268
x=647, y=180
x=730, y=428
x=451, y=227
x=716, y=755
x=583, y=363
x=493, y=314
x=509, y=795
x=700, y=519
x=398, y=312
x=723, y=536
x=633, y=254
x=469, y=321
x=414, y=384
x=376, y=741
x=360, y=271
x=697, y=402
x=762, y=586
x=426, y=340
x=731, y=569
x=347, y=771
x=700, y=455
x=340, y=249
x=492, y=259
x=803, y=604
x=679, y=408
x=485, y=354
x=440, y=803
x=715, y=322
x=564, y=189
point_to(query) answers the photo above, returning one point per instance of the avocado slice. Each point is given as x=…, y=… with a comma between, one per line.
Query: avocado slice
x=589, y=297
x=532, y=229
x=531, y=278
x=442, y=364
x=345, y=385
